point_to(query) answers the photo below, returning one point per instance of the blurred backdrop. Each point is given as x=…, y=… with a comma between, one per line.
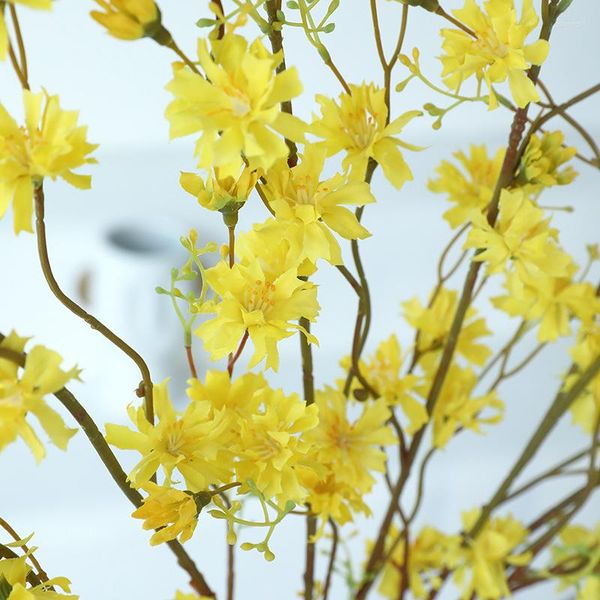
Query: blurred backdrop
x=112, y=245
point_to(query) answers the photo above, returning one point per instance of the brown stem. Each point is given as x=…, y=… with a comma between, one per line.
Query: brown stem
x=440, y=11
x=237, y=354
x=332, y=557
x=191, y=363
x=230, y=571
x=89, y=427
x=231, y=233
x=338, y=75
x=20, y=43
x=80, y=312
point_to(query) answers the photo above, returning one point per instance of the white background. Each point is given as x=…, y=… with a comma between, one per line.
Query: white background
x=81, y=520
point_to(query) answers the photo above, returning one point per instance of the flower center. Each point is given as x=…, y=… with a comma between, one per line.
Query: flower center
x=488, y=42
x=260, y=296
x=362, y=128
x=175, y=439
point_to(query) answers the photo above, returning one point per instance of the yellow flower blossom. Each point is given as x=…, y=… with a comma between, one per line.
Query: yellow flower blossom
x=489, y=555
x=430, y=552
x=22, y=394
x=128, y=19
x=541, y=162
x=192, y=443
x=13, y=580
x=351, y=449
x=273, y=449
x=456, y=407
x=173, y=512
x=551, y=300
x=357, y=126
x=42, y=4
x=382, y=370
x=497, y=52
x=51, y=144
x=307, y=209
x=237, y=109
x=221, y=191
x=521, y=234
x=265, y=305
x=434, y=324
x=181, y=596
x=471, y=188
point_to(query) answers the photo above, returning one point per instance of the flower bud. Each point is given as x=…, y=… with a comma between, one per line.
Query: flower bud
x=129, y=19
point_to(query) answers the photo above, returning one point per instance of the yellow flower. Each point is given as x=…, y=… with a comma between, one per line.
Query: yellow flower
x=351, y=449
x=489, y=555
x=457, y=408
x=470, y=189
x=382, y=370
x=551, y=300
x=273, y=450
x=357, y=126
x=308, y=209
x=13, y=582
x=181, y=596
x=429, y=552
x=498, y=51
x=193, y=442
x=221, y=191
x=43, y=4
x=51, y=144
x=434, y=324
x=521, y=235
x=240, y=100
x=128, y=19
x=264, y=304
x=173, y=512
x=23, y=394
x=541, y=161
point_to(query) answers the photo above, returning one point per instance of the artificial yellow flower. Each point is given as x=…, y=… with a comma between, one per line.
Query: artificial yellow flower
x=541, y=162
x=265, y=305
x=221, y=191
x=51, y=144
x=434, y=325
x=13, y=583
x=192, y=443
x=489, y=555
x=357, y=126
x=457, y=408
x=430, y=552
x=273, y=449
x=521, y=235
x=307, y=209
x=181, y=596
x=43, y=4
x=382, y=370
x=551, y=300
x=351, y=449
x=172, y=512
x=497, y=52
x=471, y=188
x=237, y=109
x=128, y=19
x=23, y=393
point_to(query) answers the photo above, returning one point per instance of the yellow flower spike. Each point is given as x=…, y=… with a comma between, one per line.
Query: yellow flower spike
x=193, y=443
x=220, y=189
x=265, y=304
x=430, y=552
x=128, y=19
x=351, y=449
x=240, y=99
x=51, y=144
x=521, y=235
x=41, y=4
x=497, y=53
x=173, y=512
x=457, y=408
x=490, y=554
x=434, y=325
x=357, y=126
x=541, y=162
x=307, y=209
x=468, y=189
x=21, y=395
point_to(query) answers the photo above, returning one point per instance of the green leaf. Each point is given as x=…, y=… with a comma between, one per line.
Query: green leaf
x=400, y=86
x=562, y=6
x=206, y=22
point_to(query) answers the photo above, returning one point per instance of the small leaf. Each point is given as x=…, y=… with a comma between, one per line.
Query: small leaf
x=292, y=5
x=328, y=28
x=206, y=22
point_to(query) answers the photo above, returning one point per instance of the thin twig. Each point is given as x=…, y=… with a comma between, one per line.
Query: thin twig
x=332, y=557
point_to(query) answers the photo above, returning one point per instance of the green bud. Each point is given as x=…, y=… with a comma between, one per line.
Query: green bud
x=328, y=28
x=206, y=22
x=430, y=5
x=292, y=5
